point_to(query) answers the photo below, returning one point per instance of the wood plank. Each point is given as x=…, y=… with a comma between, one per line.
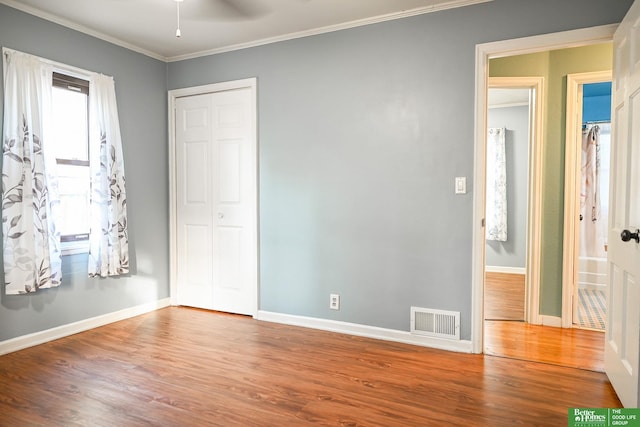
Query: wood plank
x=504, y=295
x=179, y=366
x=572, y=347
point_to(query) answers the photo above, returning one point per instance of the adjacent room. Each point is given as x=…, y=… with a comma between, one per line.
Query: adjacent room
x=272, y=212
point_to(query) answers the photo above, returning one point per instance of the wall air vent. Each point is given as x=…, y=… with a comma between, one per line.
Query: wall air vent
x=436, y=323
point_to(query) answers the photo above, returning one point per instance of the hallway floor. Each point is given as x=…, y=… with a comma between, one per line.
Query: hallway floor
x=507, y=335
x=592, y=309
x=571, y=347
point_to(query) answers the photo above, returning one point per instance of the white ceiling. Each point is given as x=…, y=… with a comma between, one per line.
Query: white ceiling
x=499, y=97
x=212, y=26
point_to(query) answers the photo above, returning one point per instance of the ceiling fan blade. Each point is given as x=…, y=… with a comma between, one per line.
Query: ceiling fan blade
x=248, y=8
x=231, y=10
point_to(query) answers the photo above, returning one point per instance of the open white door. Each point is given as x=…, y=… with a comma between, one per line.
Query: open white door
x=622, y=339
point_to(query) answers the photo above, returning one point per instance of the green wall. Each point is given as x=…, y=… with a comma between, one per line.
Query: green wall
x=554, y=67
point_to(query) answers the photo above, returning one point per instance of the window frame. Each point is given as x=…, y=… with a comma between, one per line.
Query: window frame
x=73, y=243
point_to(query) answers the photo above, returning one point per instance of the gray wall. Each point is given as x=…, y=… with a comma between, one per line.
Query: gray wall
x=141, y=92
x=361, y=133
x=513, y=252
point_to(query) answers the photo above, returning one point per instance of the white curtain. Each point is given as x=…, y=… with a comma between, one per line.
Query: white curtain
x=593, y=228
x=108, y=241
x=496, y=215
x=31, y=244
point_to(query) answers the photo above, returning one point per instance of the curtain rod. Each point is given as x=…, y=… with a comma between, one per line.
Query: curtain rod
x=69, y=69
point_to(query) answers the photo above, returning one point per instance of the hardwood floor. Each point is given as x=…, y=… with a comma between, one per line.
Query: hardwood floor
x=504, y=296
x=505, y=336
x=576, y=348
x=180, y=366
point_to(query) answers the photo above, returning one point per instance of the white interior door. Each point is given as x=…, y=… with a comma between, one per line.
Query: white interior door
x=622, y=337
x=216, y=238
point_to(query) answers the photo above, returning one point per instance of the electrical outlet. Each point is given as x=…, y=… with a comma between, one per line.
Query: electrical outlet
x=334, y=302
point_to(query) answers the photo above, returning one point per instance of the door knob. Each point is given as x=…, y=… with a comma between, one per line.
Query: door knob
x=220, y=215
x=627, y=235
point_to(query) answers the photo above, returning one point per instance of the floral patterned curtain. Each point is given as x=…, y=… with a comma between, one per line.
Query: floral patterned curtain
x=31, y=244
x=108, y=239
x=496, y=222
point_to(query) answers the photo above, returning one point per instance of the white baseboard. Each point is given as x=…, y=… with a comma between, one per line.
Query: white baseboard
x=461, y=346
x=508, y=270
x=551, y=321
x=30, y=340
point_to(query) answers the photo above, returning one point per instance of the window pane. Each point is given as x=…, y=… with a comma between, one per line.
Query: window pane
x=73, y=187
x=70, y=126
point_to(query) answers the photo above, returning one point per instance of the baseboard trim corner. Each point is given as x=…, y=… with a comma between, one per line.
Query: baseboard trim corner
x=462, y=346
x=550, y=321
x=36, y=338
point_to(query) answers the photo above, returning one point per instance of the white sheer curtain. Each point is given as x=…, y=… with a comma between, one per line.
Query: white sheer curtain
x=108, y=239
x=593, y=224
x=31, y=244
x=496, y=215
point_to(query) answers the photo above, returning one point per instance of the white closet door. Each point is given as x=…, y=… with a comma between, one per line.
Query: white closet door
x=216, y=201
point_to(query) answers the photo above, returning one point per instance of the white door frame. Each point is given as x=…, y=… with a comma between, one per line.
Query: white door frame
x=572, y=166
x=200, y=90
x=534, y=148
x=485, y=52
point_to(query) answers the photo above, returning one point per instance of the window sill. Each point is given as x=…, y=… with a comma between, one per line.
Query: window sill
x=75, y=248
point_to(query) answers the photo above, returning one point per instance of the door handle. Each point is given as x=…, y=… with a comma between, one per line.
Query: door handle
x=627, y=235
x=220, y=215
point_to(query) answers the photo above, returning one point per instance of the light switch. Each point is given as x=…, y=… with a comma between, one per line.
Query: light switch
x=461, y=185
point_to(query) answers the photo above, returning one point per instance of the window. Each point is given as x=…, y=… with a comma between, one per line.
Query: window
x=70, y=98
x=67, y=136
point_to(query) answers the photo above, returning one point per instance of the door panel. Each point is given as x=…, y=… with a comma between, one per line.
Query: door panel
x=231, y=254
x=197, y=290
x=233, y=201
x=196, y=190
x=230, y=179
x=622, y=338
x=194, y=236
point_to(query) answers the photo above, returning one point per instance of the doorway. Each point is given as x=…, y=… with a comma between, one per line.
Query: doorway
x=588, y=137
x=485, y=53
x=512, y=250
x=511, y=114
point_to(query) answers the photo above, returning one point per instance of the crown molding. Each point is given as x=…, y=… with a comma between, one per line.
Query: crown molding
x=331, y=28
x=81, y=28
x=290, y=36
